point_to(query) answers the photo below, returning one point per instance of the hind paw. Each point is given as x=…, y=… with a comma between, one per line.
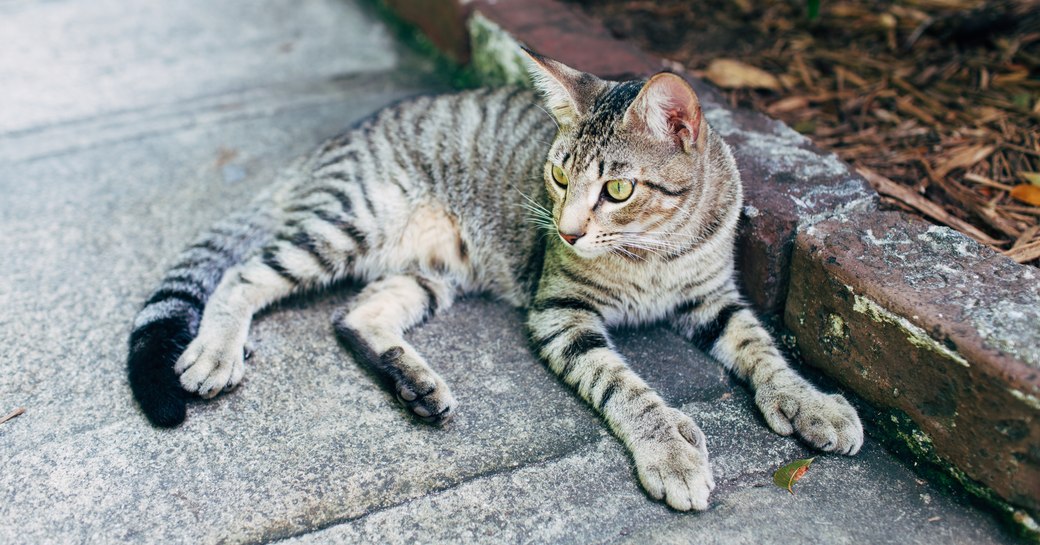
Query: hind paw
x=428, y=397
x=209, y=367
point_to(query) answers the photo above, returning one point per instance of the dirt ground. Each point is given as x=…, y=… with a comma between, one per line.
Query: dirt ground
x=935, y=102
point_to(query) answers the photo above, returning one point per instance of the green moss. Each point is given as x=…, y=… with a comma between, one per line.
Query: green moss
x=900, y=434
x=497, y=59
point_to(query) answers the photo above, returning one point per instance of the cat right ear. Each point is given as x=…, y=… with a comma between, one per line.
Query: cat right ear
x=568, y=93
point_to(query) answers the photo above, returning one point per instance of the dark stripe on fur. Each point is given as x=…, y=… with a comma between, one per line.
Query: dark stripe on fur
x=305, y=242
x=346, y=227
x=570, y=303
x=271, y=260
x=608, y=392
x=431, y=297
x=542, y=343
x=194, y=300
x=584, y=342
x=665, y=190
x=708, y=334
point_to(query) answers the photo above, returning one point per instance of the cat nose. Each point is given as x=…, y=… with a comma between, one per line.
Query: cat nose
x=571, y=239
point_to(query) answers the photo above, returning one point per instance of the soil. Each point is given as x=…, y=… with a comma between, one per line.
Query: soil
x=935, y=102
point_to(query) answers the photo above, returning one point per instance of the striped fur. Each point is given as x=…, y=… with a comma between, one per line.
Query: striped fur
x=440, y=197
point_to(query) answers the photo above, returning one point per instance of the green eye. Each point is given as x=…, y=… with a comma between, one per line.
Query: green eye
x=558, y=176
x=619, y=190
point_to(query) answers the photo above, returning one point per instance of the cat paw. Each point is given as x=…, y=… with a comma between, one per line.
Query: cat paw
x=673, y=466
x=826, y=422
x=424, y=394
x=208, y=367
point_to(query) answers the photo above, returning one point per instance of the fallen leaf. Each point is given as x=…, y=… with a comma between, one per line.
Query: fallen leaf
x=786, y=476
x=1031, y=177
x=787, y=104
x=1027, y=193
x=733, y=74
x=963, y=157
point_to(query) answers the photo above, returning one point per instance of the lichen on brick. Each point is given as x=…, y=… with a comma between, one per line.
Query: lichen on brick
x=914, y=334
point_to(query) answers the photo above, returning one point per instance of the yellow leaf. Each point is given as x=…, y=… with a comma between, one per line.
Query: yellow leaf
x=1031, y=177
x=733, y=74
x=1029, y=194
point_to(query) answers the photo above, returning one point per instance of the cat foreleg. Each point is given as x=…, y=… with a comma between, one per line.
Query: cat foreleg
x=213, y=362
x=731, y=333
x=373, y=326
x=669, y=449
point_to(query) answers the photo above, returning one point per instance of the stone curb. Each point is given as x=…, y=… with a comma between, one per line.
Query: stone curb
x=923, y=320
x=964, y=317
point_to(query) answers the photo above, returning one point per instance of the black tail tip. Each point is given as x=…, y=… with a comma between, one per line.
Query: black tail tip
x=164, y=412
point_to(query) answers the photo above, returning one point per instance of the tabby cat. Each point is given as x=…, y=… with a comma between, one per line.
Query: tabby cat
x=433, y=198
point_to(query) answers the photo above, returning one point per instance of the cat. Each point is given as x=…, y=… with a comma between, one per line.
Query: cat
x=438, y=197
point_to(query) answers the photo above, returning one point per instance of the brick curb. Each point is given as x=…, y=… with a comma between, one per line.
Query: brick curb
x=928, y=325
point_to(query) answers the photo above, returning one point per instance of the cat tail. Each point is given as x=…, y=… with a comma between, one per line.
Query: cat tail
x=169, y=319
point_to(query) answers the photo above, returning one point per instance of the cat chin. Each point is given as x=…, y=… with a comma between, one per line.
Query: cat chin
x=589, y=253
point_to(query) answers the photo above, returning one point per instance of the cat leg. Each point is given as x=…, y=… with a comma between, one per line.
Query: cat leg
x=296, y=260
x=669, y=449
x=373, y=327
x=724, y=327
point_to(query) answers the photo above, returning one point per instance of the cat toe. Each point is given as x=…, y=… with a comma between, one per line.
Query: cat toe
x=434, y=405
x=208, y=371
x=674, y=467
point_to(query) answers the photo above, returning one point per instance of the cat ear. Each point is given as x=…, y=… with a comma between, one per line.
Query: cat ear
x=668, y=109
x=568, y=93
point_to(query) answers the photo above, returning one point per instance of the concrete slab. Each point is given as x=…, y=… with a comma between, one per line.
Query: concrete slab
x=104, y=182
x=590, y=496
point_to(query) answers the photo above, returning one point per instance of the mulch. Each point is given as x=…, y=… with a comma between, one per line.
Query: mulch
x=935, y=102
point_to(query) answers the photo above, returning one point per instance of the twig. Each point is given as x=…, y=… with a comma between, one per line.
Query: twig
x=1025, y=254
x=979, y=179
x=12, y=414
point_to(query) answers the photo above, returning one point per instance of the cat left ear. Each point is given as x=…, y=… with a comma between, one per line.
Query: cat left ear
x=568, y=93
x=669, y=110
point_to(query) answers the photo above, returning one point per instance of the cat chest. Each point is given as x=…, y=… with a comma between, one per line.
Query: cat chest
x=645, y=300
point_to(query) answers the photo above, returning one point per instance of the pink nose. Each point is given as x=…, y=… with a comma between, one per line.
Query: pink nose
x=571, y=239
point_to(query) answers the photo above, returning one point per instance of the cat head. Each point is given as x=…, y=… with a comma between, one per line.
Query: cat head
x=628, y=162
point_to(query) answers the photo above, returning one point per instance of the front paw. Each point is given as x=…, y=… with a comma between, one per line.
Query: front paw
x=673, y=463
x=210, y=366
x=827, y=422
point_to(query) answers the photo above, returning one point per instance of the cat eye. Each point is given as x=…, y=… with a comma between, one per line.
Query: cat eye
x=558, y=176
x=619, y=190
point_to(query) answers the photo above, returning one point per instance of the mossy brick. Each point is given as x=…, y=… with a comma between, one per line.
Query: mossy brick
x=921, y=319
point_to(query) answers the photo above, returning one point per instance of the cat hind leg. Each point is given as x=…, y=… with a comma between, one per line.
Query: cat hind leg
x=372, y=328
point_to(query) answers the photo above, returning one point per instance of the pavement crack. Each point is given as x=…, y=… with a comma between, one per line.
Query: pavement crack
x=433, y=493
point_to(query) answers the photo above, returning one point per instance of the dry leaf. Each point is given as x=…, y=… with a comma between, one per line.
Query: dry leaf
x=963, y=157
x=1031, y=177
x=788, y=104
x=733, y=74
x=786, y=476
x=1027, y=193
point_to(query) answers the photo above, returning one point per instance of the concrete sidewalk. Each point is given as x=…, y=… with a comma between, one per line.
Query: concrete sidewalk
x=125, y=129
